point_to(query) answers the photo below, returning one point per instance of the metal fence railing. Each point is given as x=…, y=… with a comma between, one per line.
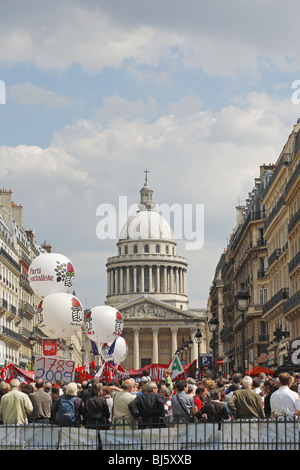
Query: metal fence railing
x=273, y=434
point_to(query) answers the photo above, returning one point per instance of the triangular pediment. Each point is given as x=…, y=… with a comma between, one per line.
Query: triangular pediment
x=146, y=307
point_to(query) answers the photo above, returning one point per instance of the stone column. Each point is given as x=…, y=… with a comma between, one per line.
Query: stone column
x=136, y=347
x=155, y=330
x=142, y=279
x=150, y=278
x=158, y=278
x=121, y=280
x=134, y=279
x=116, y=281
x=127, y=279
x=165, y=279
x=174, y=339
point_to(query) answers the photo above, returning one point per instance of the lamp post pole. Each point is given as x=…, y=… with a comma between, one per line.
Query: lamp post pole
x=32, y=343
x=242, y=302
x=213, y=326
x=198, y=339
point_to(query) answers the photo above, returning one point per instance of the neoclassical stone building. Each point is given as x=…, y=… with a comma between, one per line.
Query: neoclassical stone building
x=147, y=282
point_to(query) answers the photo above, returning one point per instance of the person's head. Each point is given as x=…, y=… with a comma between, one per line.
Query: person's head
x=210, y=384
x=284, y=379
x=167, y=373
x=14, y=383
x=55, y=392
x=151, y=387
x=256, y=382
x=215, y=394
x=128, y=385
x=200, y=391
x=262, y=377
x=236, y=379
x=48, y=387
x=181, y=386
x=4, y=387
x=233, y=387
x=247, y=381
x=40, y=383
x=165, y=391
x=71, y=389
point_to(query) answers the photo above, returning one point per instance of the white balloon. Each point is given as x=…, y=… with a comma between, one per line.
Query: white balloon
x=60, y=315
x=50, y=273
x=121, y=350
x=103, y=324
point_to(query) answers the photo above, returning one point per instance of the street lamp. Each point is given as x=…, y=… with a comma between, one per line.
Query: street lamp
x=82, y=355
x=198, y=338
x=213, y=326
x=71, y=349
x=32, y=342
x=242, y=302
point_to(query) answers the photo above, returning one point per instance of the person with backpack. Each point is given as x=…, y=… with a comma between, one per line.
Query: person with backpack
x=68, y=408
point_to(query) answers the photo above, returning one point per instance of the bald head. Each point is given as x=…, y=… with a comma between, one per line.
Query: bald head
x=128, y=385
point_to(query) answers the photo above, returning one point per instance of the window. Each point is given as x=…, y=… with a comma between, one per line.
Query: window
x=135, y=249
x=157, y=248
x=146, y=249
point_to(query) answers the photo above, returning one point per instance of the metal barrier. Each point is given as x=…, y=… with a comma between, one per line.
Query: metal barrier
x=273, y=434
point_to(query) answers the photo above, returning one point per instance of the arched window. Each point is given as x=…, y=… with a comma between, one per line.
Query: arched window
x=157, y=249
x=135, y=249
x=146, y=249
x=167, y=249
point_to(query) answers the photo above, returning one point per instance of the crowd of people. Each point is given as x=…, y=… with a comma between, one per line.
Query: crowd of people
x=147, y=403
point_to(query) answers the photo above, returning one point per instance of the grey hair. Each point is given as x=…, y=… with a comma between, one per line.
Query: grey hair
x=150, y=386
x=14, y=383
x=71, y=389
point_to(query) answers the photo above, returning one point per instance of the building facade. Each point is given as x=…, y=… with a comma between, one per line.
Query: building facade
x=263, y=254
x=147, y=283
x=18, y=302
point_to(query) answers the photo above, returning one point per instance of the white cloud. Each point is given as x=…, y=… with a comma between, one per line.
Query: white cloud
x=27, y=93
x=222, y=39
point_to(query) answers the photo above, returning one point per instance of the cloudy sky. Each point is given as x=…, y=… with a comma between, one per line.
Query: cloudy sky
x=199, y=93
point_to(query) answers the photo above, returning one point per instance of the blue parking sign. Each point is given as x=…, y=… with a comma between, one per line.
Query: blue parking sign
x=205, y=360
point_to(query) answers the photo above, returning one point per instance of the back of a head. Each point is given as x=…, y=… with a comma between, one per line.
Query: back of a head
x=256, y=382
x=215, y=393
x=14, y=383
x=180, y=385
x=247, y=381
x=284, y=378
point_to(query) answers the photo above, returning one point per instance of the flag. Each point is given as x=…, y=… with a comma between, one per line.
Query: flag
x=175, y=367
x=112, y=348
x=99, y=373
x=87, y=364
x=94, y=348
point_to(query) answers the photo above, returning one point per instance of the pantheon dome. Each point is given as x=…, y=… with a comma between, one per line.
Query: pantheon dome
x=147, y=262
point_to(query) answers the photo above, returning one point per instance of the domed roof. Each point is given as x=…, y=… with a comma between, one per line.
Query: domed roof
x=146, y=224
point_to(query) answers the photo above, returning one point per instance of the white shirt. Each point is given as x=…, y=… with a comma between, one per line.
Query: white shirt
x=284, y=401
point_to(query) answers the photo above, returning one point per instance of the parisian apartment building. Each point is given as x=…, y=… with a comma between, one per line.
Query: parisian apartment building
x=263, y=255
x=18, y=302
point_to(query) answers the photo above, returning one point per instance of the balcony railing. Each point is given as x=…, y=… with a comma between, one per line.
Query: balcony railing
x=294, y=221
x=282, y=294
x=292, y=302
x=292, y=179
x=294, y=262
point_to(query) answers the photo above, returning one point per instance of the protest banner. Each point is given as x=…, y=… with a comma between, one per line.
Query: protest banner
x=54, y=370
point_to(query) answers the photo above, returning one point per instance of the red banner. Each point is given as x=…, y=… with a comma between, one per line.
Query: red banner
x=13, y=372
x=49, y=347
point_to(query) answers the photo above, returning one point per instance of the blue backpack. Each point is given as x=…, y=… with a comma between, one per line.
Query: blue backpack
x=66, y=415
